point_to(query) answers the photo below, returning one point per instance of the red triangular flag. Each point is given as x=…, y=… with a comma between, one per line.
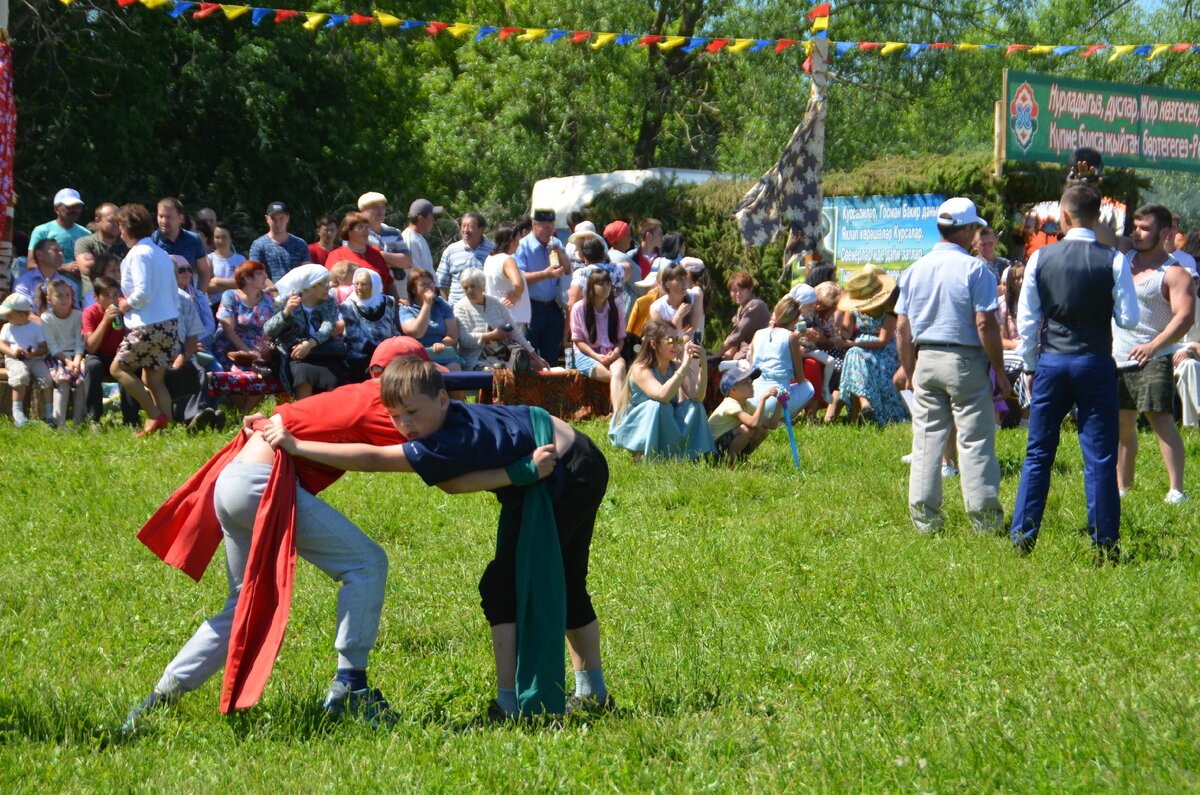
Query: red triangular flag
x=1091, y=50
x=1015, y=48
x=506, y=32
x=819, y=11
x=284, y=14
x=581, y=36
x=941, y=45
x=716, y=44
x=1181, y=47
x=125, y=3
x=436, y=27
x=359, y=19
x=807, y=66
x=649, y=39
x=206, y=9
x=869, y=45
x=783, y=44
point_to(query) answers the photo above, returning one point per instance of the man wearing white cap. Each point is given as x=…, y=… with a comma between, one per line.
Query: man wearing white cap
x=64, y=228
x=947, y=336
x=388, y=239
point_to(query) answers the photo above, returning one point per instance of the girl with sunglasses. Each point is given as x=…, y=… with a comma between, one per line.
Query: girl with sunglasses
x=660, y=413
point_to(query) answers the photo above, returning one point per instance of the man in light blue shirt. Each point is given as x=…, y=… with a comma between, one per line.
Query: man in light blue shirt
x=947, y=335
x=468, y=252
x=63, y=228
x=541, y=258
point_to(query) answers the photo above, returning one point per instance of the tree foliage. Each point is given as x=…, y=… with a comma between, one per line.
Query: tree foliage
x=129, y=104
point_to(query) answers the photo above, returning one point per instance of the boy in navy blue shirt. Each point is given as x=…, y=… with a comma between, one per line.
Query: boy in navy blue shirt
x=448, y=439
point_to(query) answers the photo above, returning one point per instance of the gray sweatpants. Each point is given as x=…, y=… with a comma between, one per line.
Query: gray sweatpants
x=954, y=381
x=324, y=537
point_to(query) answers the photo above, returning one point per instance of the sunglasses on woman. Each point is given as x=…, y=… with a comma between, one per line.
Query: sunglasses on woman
x=676, y=340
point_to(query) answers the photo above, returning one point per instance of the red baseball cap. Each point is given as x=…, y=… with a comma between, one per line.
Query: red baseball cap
x=615, y=232
x=395, y=347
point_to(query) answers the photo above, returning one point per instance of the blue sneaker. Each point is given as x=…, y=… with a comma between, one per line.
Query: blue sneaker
x=155, y=701
x=367, y=705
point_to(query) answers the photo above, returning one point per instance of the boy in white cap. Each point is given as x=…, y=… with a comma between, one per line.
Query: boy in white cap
x=24, y=347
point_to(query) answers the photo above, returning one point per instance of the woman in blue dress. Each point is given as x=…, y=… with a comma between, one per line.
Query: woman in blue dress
x=661, y=412
x=872, y=360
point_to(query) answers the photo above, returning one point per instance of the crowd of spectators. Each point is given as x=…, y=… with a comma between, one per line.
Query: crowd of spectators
x=159, y=303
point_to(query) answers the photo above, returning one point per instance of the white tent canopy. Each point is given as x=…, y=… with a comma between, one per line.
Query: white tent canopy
x=565, y=194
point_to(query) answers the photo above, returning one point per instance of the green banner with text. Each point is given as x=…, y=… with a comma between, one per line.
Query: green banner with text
x=1046, y=118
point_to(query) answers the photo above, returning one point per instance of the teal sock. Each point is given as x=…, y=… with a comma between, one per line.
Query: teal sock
x=583, y=685
x=507, y=699
x=596, y=682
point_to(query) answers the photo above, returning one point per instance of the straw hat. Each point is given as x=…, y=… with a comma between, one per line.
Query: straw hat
x=867, y=289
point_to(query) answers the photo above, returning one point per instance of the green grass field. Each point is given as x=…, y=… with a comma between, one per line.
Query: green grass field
x=764, y=630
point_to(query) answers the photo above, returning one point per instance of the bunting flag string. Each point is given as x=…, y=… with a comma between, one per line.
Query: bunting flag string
x=818, y=17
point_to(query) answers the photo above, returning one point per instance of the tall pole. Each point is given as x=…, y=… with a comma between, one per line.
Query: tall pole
x=817, y=102
x=8, y=138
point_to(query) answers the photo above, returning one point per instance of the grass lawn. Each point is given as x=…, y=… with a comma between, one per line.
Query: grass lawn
x=765, y=629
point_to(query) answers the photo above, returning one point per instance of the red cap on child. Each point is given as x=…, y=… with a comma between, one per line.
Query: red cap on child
x=395, y=347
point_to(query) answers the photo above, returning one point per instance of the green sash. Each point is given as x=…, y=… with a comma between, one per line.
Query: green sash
x=541, y=585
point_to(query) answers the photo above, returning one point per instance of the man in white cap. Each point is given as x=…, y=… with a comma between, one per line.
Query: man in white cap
x=388, y=239
x=422, y=215
x=64, y=228
x=947, y=336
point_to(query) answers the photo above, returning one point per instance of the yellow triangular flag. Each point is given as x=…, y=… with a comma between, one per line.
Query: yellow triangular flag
x=459, y=29
x=314, y=20
x=387, y=20
x=1041, y=49
x=66, y=2
x=233, y=12
x=1158, y=50
x=157, y=3
x=739, y=45
x=893, y=46
x=671, y=42
x=808, y=48
x=1121, y=49
x=820, y=24
x=532, y=34
x=968, y=47
x=603, y=40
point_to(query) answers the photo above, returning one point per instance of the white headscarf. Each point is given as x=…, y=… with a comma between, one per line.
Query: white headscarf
x=372, y=303
x=300, y=279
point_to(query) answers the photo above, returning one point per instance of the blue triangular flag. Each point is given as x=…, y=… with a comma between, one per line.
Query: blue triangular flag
x=843, y=47
x=180, y=9
x=485, y=31
x=336, y=19
x=913, y=49
x=257, y=15
x=409, y=24
x=1143, y=50
x=822, y=35
x=988, y=46
x=1065, y=48
x=694, y=43
x=761, y=44
x=556, y=34
x=626, y=38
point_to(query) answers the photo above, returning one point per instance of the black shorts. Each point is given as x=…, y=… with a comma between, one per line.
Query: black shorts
x=1148, y=388
x=584, y=482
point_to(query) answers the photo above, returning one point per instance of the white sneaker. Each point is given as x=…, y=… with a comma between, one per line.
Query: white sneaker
x=1175, y=497
x=949, y=471
x=906, y=459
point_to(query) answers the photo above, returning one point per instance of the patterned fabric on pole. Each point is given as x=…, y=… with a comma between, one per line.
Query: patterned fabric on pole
x=788, y=197
x=8, y=132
